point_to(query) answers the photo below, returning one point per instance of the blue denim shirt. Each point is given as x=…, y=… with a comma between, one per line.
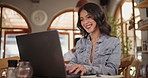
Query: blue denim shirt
x=106, y=59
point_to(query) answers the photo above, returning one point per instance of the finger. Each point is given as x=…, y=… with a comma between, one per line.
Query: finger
x=82, y=73
x=80, y=69
x=77, y=70
x=68, y=68
x=66, y=65
x=83, y=70
x=73, y=69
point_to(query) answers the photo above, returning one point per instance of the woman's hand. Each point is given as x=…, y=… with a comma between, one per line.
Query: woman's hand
x=76, y=68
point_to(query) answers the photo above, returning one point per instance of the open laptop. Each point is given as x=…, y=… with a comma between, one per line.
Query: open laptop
x=43, y=50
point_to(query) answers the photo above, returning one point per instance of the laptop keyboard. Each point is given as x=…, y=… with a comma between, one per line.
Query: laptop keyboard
x=72, y=75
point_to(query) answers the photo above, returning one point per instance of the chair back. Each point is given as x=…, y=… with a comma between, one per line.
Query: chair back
x=129, y=67
x=124, y=68
x=136, y=66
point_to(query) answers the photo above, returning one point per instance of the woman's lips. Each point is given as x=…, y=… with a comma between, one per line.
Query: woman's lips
x=88, y=26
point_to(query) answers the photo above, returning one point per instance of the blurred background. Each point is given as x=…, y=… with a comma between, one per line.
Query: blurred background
x=128, y=19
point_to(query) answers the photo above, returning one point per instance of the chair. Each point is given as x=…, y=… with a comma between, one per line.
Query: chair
x=124, y=68
x=4, y=63
x=135, y=64
x=127, y=65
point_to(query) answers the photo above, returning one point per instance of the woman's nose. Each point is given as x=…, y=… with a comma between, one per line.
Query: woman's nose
x=85, y=21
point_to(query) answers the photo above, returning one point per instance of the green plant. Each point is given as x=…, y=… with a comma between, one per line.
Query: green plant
x=114, y=26
x=118, y=32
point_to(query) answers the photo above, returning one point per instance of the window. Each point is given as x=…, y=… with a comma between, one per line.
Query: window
x=65, y=22
x=64, y=40
x=127, y=16
x=12, y=19
x=12, y=24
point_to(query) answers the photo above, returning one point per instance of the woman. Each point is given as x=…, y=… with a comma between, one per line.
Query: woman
x=97, y=52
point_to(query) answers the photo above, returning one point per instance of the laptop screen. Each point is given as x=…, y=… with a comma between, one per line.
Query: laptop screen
x=43, y=50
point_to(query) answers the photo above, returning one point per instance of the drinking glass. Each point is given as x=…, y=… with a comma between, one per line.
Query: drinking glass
x=24, y=70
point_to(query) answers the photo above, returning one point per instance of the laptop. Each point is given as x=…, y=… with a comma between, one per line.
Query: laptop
x=43, y=50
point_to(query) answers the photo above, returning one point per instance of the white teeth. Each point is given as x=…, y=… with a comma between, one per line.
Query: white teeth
x=88, y=26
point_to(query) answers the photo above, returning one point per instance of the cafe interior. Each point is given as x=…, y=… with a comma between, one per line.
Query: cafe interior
x=127, y=18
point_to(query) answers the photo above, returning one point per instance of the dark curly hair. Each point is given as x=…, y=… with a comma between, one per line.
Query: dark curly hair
x=99, y=16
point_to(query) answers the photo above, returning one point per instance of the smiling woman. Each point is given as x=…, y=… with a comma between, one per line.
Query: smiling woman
x=97, y=52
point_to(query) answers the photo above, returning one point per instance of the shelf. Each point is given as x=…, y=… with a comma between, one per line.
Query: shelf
x=144, y=51
x=143, y=24
x=145, y=27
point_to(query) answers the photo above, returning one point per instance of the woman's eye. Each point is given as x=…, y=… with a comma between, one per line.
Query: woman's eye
x=81, y=19
x=88, y=16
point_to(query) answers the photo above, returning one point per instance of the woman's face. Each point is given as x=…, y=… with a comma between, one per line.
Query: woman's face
x=87, y=21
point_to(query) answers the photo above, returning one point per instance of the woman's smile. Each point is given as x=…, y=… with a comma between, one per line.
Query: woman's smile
x=88, y=26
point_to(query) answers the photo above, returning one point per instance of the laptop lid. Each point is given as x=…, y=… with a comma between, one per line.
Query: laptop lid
x=43, y=50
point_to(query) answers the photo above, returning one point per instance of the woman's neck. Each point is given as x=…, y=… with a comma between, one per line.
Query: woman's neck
x=95, y=36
